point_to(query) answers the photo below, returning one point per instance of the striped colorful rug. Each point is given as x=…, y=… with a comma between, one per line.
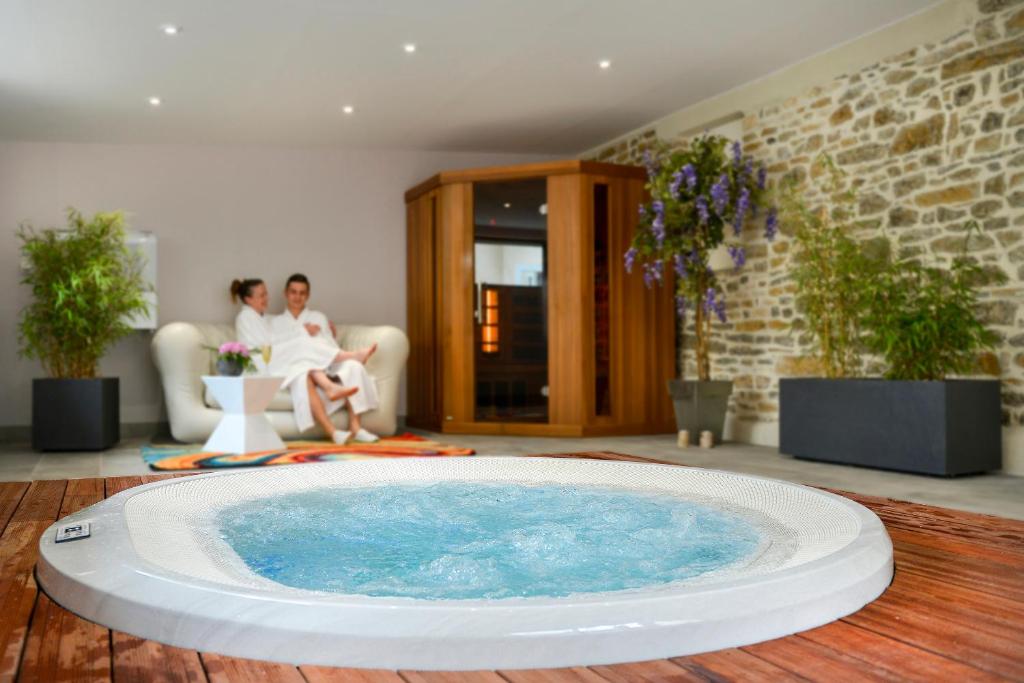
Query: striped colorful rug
x=176, y=458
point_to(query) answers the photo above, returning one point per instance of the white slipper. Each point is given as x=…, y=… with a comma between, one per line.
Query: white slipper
x=341, y=437
x=363, y=436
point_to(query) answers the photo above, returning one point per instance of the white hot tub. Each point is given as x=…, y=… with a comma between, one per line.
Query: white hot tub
x=154, y=566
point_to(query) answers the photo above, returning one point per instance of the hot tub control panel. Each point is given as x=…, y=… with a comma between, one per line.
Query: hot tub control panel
x=72, y=532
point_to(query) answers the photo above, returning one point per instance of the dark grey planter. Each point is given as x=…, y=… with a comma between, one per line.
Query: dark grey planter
x=945, y=428
x=75, y=414
x=700, y=406
x=228, y=368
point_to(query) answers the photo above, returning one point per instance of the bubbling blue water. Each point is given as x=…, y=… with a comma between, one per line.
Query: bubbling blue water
x=452, y=541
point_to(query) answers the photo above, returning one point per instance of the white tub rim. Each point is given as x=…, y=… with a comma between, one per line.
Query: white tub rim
x=111, y=593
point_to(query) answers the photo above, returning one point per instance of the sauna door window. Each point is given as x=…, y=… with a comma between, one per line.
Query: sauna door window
x=510, y=297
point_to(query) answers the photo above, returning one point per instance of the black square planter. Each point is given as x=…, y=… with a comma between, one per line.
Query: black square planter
x=946, y=428
x=75, y=414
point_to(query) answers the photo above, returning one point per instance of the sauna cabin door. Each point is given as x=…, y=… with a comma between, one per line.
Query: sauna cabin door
x=510, y=301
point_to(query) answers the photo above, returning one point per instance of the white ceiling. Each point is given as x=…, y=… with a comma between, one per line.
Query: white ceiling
x=488, y=75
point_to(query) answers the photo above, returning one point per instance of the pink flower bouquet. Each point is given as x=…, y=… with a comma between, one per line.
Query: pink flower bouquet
x=232, y=358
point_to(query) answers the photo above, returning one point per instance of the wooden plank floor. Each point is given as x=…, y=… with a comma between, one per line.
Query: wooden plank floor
x=955, y=612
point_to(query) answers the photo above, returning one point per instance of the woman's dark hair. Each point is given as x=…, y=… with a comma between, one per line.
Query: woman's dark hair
x=242, y=289
x=298, y=277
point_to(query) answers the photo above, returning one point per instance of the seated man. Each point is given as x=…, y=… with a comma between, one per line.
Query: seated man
x=351, y=372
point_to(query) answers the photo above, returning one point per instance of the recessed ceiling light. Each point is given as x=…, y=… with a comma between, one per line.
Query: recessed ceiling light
x=170, y=29
x=604, y=63
x=155, y=101
x=508, y=205
x=409, y=47
x=348, y=109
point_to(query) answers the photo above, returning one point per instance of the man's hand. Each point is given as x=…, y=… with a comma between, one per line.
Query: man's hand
x=313, y=330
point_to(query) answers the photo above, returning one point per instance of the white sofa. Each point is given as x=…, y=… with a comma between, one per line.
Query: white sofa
x=181, y=360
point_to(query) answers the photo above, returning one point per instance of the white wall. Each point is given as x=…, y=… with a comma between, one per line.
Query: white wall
x=219, y=213
x=487, y=263
x=499, y=264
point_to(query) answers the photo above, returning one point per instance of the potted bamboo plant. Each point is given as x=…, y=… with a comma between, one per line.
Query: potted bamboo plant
x=85, y=284
x=920, y=320
x=701, y=197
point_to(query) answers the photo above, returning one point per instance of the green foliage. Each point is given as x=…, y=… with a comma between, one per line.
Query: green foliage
x=829, y=269
x=924, y=320
x=855, y=297
x=84, y=283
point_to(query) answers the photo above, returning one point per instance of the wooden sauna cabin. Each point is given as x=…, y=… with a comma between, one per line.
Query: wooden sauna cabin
x=521, y=317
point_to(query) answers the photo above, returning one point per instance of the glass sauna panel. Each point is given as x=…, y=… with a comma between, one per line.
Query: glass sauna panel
x=602, y=319
x=510, y=266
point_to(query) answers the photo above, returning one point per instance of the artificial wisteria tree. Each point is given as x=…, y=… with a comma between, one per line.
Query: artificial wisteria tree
x=701, y=197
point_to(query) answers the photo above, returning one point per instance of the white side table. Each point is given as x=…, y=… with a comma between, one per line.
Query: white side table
x=244, y=427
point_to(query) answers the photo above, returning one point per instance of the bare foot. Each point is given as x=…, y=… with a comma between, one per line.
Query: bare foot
x=363, y=355
x=340, y=392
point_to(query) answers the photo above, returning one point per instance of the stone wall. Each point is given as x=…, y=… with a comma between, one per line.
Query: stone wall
x=932, y=138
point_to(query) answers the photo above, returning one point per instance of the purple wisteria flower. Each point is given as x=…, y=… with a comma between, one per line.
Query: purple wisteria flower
x=771, y=224
x=652, y=273
x=690, y=174
x=658, y=224
x=748, y=170
x=681, y=305
x=737, y=153
x=702, y=209
x=714, y=304
x=658, y=228
x=651, y=164
x=720, y=309
x=739, y=256
x=762, y=178
x=677, y=181
x=709, y=300
x=742, y=204
x=720, y=194
x=679, y=263
x=630, y=258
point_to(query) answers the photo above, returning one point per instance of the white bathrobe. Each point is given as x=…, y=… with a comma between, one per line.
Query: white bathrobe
x=287, y=326
x=292, y=357
x=351, y=373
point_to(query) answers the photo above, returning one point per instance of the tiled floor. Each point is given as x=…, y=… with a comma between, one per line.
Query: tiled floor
x=995, y=494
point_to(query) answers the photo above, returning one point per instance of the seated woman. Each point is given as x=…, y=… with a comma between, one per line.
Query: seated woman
x=303, y=362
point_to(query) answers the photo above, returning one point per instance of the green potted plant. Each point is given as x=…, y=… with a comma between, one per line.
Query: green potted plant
x=702, y=196
x=920, y=320
x=828, y=269
x=85, y=284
